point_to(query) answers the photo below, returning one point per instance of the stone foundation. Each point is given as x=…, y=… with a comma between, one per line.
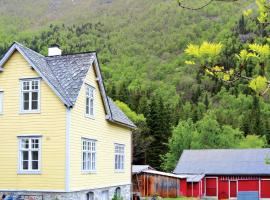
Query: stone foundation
x=80, y=195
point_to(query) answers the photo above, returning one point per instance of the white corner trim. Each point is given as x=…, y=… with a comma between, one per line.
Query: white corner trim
x=68, y=124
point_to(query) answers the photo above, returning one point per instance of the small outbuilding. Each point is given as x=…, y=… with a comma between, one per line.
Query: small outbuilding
x=148, y=182
x=225, y=173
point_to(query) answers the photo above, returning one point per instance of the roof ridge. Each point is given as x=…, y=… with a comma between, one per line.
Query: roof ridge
x=28, y=49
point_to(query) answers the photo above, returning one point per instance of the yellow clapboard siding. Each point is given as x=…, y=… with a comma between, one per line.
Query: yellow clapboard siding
x=106, y=135
x=50, y=123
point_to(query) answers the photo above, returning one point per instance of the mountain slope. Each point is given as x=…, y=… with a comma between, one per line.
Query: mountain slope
x=140, y=41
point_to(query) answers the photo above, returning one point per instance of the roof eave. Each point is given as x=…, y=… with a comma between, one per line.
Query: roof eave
x=123, y=124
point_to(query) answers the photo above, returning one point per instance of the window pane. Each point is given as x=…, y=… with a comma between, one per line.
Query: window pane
x=25, y=155
x=35, y=143
x=84, y=161
x=26, y=85
x=34, y=165
x=35, y=85
x=25, y=143
x=35, y=155
x=87, y=105
x=25, y=101
x=34, y=96
x=91, y=107
x=25, y=165
x=93, y=161
x=34, y=100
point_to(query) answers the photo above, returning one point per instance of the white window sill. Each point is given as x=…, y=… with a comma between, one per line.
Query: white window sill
x=90, y=116
x=89, y=172
x=119, y=171
x=29, y=172
x=29, y=112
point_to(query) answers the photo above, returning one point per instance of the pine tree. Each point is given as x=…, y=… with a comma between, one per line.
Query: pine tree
x=158, y=121
x=255, y=116
x=206, y=101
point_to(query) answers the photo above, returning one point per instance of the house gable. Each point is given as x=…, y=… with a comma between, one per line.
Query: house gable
x=37, y=62
x=49, y=123
x=105, y=133
x=65, y=75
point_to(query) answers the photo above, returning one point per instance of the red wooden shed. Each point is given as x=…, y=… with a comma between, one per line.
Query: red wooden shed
x=224, y=173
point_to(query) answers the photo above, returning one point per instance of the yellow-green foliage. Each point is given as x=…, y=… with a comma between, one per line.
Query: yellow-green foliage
x=262, y=18
x=258, y=84
x=263, y=51
x=248, y=12
x=253, y=141
x=206, y=49
x=130, y=113
x=244, y=55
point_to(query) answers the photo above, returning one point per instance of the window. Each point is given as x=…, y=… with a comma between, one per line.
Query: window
x=1, y=102
x=117, y=192
x=88, y=155
x=90, y=101
x=29, y=154
x=30, y=93
x=105, y=195
x=90, y=196
x=119, y=157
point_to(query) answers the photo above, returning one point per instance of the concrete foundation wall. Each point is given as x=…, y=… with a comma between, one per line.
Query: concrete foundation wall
x=79, y=195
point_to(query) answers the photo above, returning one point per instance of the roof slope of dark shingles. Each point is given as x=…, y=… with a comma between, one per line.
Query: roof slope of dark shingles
x=66, y=74
x=71, y=71
x=118, y=115
x=224, y=162
x=42, y=66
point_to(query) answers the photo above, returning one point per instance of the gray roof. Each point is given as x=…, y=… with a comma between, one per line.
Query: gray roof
x=194, y=178
x=136, y=169
x=65, y=74
x=224, y=162
x=117, y=114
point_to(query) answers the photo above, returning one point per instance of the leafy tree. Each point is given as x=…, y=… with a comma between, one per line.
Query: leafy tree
x=206, y=134
x=253, y=141
x=140, y=137
x=181, y=139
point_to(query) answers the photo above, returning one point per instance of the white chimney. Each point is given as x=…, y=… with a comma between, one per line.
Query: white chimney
x=54, y=50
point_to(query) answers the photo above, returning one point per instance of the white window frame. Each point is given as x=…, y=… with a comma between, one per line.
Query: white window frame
x=30, y=91
x=88, y=97
x=90, y=163
x=1, y=102
x=30, y=149
x=119, y=157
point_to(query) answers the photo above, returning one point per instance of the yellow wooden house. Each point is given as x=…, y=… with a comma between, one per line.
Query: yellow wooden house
x=61, y=136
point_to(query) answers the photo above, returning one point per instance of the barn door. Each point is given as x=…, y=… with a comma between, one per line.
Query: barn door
x=211, y=186
x=265, y=188
x=233, y=189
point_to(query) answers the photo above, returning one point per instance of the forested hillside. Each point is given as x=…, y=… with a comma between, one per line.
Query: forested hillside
x=141, y=49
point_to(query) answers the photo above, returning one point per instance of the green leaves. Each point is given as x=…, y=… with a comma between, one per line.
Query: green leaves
x=258, y=84
x=262, y=8
x=263, y=51
x=244, y=56
x=206, y=49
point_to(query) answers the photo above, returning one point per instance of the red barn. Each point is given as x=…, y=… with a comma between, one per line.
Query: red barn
x=225, y=173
